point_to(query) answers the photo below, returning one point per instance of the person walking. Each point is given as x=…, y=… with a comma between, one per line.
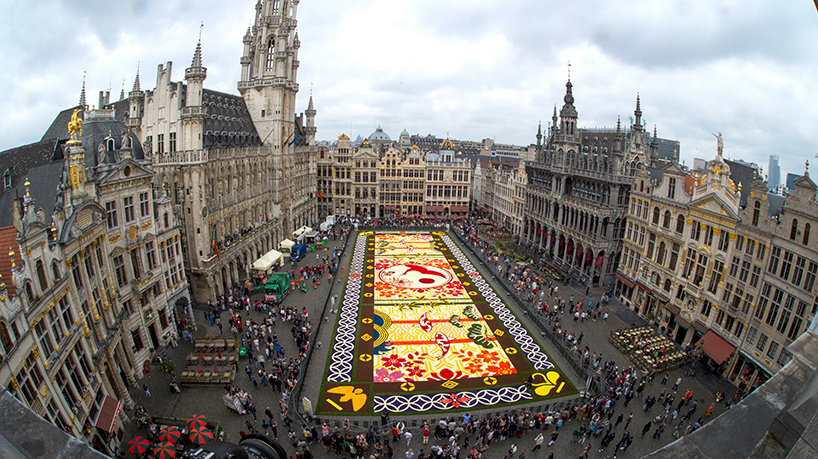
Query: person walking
x=676, y=386
x=664, y=379
x=538, y=441
x=408, y=436
x=426, y=430
x=147, y=391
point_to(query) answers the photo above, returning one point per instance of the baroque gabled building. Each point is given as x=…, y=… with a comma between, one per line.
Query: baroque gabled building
x=578, y=187
x=97, y=269
x=718, y=262
x=240, y=170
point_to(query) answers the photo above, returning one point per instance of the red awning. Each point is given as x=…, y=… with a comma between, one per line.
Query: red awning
x=434, y=208
x=681, y=321
x=460, y=208
x=107, y=415
x=672, y=308
x=716, y=347
x=625, y=280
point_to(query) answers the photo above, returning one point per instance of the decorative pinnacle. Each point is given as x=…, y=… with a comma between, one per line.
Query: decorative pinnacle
x=82, y=94
x=11, y=257
x=136, y=80
x=27, y=184
x=806, y=167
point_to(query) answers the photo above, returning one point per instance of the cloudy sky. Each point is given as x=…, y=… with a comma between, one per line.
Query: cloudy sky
x=473, y=68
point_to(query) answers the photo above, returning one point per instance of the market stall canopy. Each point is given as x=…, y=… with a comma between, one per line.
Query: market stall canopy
x=715, y=346
x=286, y=245
x=267, y=261
x=302, y=230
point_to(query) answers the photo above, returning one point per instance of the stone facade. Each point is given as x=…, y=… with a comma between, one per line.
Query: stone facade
x=100, y=282
x=390, y=181
x=240, y=170
x=577, y=195
x=720, y=262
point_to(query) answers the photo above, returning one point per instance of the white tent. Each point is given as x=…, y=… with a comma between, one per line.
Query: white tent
x=267, y=261
x=286, y=245
x=299, y=233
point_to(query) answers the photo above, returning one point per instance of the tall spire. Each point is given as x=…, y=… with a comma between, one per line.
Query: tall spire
x=637, y=115
x=539, y=134
x=136, y=80
x=122, y=92
x=82, y=94
x=618, y=124
x=197, y=71
x=197, y=55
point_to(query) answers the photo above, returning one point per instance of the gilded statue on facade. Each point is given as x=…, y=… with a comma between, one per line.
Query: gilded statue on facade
x=75, y=126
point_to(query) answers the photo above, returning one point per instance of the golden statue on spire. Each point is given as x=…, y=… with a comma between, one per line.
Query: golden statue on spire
x=75, y=127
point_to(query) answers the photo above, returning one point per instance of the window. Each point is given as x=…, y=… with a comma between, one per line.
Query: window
x=163, y=318
x=786, y=264
x=136, y=334
x=100, y=257
x=680, y=224
x=5, y=338
x=756, y=212
x=651, y=245
x=119, y=267
x=715, y=276
x=773, y=350
x=740, y=244
x=734, y=267
x=129, y=213
x=763, y=300
x=128, y=307
x=756, y=275
x=41, y=276
x=696, y=231
x=666, y=220
x=760, y=252
x=794, y=229
x=751, y=244
x=805, y=241
x=110, y=208
x=655, y=215
x=724, y=241
x=160, y=143
x=706, y=308
x=745, y=271
x=762, y=342
x=671, y=188
x=775, y=258
x=7, y=178
x=136, y=264
x=775, y=306
x=88, y=261
x=150, y=255
x=784, y=358
x=172, y=142
x=44, y=335
x=144, y=205
x=751, y=335
x=809, y=280
x=674, y=256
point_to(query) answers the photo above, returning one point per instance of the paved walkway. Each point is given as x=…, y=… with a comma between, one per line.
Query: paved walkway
x=207, y=400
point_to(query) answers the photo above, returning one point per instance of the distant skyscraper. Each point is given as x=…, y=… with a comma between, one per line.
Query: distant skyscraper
x=775, y=172
x=791, y=178
x=699, y=164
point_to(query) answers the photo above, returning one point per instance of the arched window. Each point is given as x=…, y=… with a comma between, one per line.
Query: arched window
x=55, y=269
x=41, y=276
x=5, y=338
x=680, y=224
x=271, y=54
x=29, y=292
x=167, y=220
x=806, y=235
x=655, y=215
x=756, y=212
x=666, y=221
x=794, y=229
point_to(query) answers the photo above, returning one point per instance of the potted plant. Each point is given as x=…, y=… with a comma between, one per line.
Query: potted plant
x=168, y=366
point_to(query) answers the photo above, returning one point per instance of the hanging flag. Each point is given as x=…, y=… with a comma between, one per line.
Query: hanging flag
x=294, y=139
x=215, y=245
x=287, y=140
x=320, y=193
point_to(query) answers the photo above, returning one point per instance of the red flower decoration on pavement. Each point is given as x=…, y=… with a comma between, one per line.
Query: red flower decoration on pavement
x=384, y=376
x=455, y=400
x=393, y=361
x=503, y=368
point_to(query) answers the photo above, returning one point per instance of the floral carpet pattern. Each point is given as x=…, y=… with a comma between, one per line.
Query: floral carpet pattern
x=419, y=329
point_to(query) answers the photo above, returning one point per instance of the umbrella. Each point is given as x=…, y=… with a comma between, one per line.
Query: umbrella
x=215, y=370
x=170, y=434
x=220, y=353
x=196, y=421
x=138, y=445
x=165, y=451
x=198, y=370
x=201, y=356
x=201, y=435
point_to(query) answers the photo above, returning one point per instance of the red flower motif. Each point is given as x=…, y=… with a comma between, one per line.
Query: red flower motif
x=455, y=400
x=503, y=368
x=393, y=361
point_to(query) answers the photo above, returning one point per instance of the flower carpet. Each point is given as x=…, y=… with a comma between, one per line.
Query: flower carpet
x=420, y=330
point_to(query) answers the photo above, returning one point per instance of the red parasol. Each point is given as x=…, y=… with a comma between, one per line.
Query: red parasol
x=201, y=435
x=170, y=434
x=215, y=370
x=225, y=343
x=196, y=421
x=220, y=354
x=165, y=451
x=201, y=356
x=198, y=370
x=138, y=445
